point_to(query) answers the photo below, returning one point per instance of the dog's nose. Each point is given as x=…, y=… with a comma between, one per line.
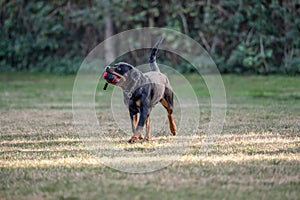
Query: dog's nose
x=109, y=69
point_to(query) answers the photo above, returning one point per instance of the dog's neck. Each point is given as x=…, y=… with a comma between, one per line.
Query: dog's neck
x=133, y=83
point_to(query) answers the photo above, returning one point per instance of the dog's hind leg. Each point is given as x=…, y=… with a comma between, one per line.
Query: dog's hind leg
x=167, y=102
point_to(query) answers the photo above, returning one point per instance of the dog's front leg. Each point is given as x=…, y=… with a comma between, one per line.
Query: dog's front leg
x=134, y=123
x=137, y=133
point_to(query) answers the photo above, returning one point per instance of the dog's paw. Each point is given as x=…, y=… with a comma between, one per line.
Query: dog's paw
x=147, y=138
x=141, y=137
x=133, y=139
x=173, y=131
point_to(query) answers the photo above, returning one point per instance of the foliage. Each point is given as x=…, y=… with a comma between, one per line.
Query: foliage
x=242, y=37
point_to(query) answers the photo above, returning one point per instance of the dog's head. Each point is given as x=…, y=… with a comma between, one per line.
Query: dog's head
x=119, y=73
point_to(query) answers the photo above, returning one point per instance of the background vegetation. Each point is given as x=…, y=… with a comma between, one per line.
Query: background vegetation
x=242, y=36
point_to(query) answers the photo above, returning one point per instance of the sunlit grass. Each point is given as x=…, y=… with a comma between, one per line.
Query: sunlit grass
x=228, y=147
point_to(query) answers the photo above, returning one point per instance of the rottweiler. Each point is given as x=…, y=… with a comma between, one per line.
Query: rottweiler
x=142, y=91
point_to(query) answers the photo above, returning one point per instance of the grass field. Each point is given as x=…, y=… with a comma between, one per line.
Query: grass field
x=257, y=156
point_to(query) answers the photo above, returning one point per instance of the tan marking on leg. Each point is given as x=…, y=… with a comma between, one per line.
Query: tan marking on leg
x=166, y=105
x=148, y=128
x=173, y=127
x=137, y=135
x=134, y=122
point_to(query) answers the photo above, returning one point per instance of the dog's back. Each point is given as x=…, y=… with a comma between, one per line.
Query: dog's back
x=159, y=82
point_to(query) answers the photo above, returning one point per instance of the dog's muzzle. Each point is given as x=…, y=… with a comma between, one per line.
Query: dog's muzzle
x=109, y=77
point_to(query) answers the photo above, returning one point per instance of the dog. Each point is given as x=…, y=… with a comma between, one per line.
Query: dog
x=141, y=92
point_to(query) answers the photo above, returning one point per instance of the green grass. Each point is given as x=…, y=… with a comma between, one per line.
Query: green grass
x=21, y=91
x=257, y=156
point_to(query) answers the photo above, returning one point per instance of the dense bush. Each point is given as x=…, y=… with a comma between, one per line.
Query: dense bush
x=242, y=36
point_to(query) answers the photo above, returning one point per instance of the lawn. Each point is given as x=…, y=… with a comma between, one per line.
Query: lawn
x=257, y=155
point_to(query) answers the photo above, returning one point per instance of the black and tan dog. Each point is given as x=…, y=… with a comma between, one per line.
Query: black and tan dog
x=142, y=91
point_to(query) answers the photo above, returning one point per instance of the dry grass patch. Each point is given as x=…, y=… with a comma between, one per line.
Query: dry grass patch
x=256, y=157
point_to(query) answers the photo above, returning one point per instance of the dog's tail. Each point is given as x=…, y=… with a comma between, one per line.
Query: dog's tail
x=152, y=57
